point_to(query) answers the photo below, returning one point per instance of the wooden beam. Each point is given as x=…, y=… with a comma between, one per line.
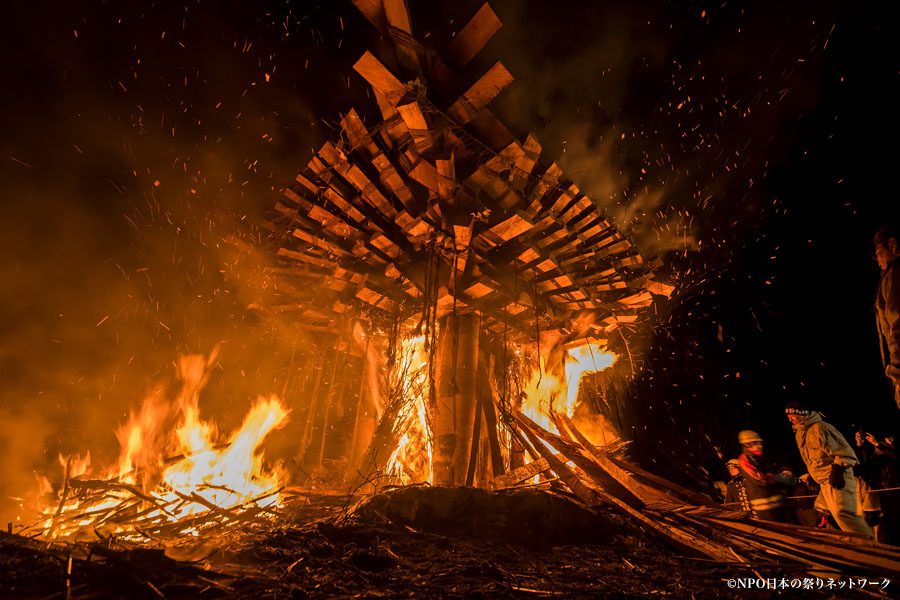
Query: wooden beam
x=480, y=94
x=302, y=180
x=392, y=180
x=415, y=121
x=472, y=38
x=356, y=131
x=307, y=258
x=373, y=10
x=425, y=173
x=397, y=14
x=380, y=78
x=515, y=225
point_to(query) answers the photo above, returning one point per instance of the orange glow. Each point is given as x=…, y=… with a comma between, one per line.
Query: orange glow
x=204, y=472
x=411, y=460
x=558, y=392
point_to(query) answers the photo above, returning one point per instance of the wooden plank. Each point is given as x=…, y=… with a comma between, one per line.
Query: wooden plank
x=334, y=224
x=345, y=207
x=519, y=474
x=576, y=212
x=332, y=156
x=425, y=173
x=591, y=229
x=380, y=78
x=297, y=199
x=524, y=165
x=628, y=261
x=660, y=289
x=415, y=122
x=355, y=130
x=418, y=228
x=462, y=236
x=392, y=180
x=304, y=257
x=563, y=200
x=447, y=179
x=313, y=240
x=688, y=495
x=479, y=289
x=400, y=31
x=307, y=184
x=480, y=94
x=373, y=10
x=514, y=226
x=642, y=298
x=383, y=243
x=581, y=491
x=412, y=115
x=491, y=130
x=489, y=181
x=545, y=181
x=370, y=192
x=472, y=38
x=388, y=112
x=397, y=15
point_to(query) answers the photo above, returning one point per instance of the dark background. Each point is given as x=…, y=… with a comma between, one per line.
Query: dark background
x=752, y=147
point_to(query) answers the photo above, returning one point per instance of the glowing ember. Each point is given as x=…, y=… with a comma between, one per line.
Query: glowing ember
x=411, y=461
x=146, y=493
x=548, y=391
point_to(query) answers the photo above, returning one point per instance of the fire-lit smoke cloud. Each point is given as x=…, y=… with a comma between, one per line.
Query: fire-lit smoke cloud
x=660, y=113
x=139, y=142
x=127, y=175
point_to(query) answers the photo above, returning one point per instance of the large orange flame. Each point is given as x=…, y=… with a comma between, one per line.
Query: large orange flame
x=203, y=474
x=548, y=391
x=411, y=460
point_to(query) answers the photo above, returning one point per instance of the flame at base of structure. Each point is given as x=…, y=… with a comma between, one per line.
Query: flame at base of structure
x=147, y=495
x=410, y=462
x=549, y=391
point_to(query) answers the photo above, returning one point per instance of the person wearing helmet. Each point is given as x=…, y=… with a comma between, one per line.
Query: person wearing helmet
x=735, y=493
x=829, y=460
x=763, y=490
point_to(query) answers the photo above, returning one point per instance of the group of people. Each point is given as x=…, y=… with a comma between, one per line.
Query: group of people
x=863, y=501
x=859, y=490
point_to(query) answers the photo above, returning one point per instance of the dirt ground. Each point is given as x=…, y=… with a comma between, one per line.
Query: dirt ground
x=409, y=543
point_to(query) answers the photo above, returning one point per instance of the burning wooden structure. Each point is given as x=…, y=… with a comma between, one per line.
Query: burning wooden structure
x=433, y=240
x=435, y=221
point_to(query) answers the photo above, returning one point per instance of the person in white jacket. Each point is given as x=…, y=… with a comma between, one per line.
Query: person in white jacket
x=829, y=460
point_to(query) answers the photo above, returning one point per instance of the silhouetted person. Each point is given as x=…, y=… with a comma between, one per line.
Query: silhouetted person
x=877, y=478
x=887, y=303
x=763, y=491
x=735, y=494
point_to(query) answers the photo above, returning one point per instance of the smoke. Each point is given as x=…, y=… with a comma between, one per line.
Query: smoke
x=143, y=147
x=136, y=183
x=668, y=117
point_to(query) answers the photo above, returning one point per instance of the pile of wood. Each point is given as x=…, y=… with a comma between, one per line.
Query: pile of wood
x=439, y=175
x=686, y=519
x=90, y=508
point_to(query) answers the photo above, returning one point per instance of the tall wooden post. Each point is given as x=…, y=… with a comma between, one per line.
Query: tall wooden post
x=355, y=447
x=454, y=418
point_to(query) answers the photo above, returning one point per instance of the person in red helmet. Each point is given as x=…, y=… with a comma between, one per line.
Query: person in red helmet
x=764, y=490
x=830, y=461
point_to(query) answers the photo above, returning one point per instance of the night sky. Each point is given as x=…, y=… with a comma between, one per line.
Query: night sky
x=752, y=148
